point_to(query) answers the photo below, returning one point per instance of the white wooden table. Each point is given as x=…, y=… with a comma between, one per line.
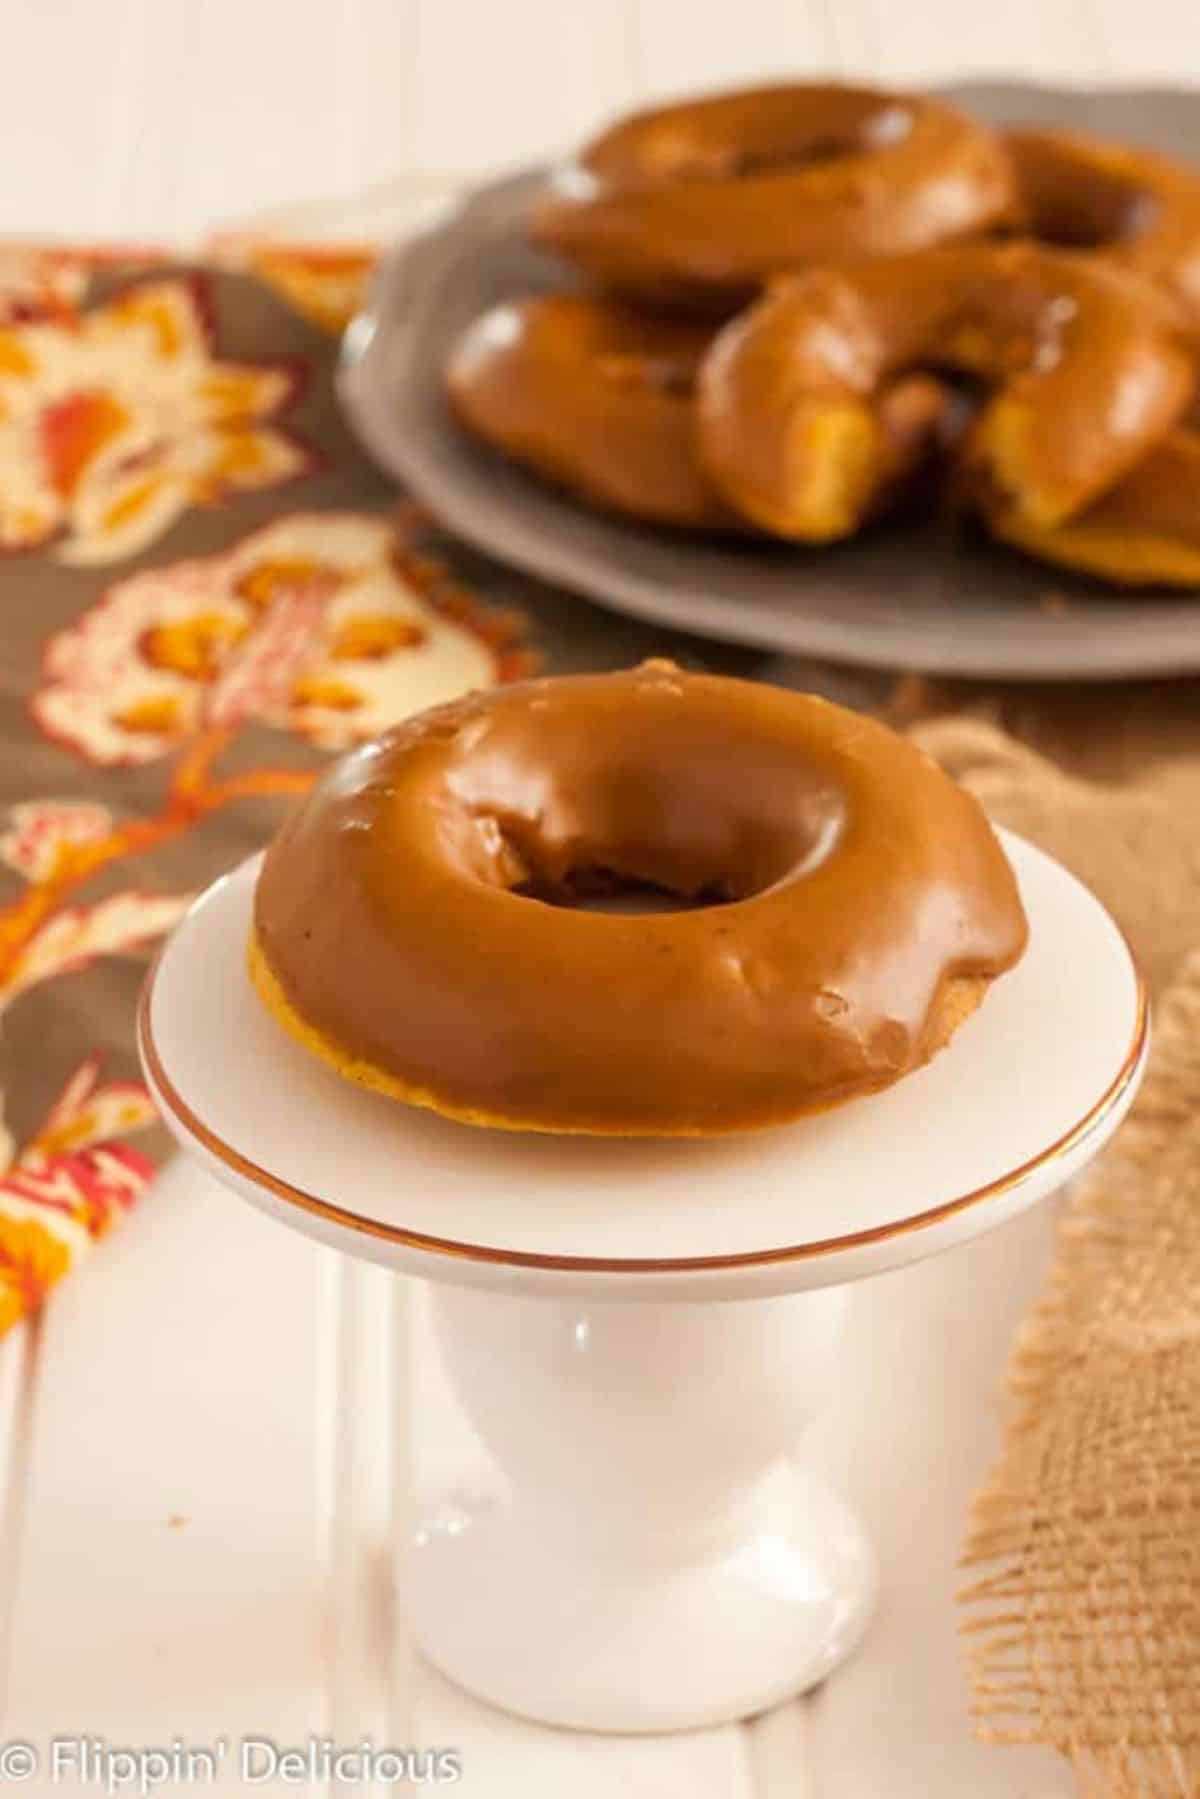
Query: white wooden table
x=158, y=118
x=205, y=1462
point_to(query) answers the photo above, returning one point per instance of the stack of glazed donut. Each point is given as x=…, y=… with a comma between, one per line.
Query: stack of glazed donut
x=811, y=307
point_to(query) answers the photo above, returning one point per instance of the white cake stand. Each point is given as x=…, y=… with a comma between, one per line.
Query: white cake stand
x=639, y=1330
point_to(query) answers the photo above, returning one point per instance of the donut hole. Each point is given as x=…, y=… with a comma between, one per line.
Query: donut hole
x=800, y=141
x=605, y=890
x=647, y=806
x=607, y=870
x=1109, y=215
x=1073, y=204
x=594, y=856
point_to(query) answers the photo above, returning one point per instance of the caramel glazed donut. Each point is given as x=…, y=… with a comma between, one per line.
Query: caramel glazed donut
x=1143, y=210
x=598, y=398
x=594, y=396
x=1143, y=532
x=1130, y=205
x=413, y=922
x=1084, y=362
x=701, y=202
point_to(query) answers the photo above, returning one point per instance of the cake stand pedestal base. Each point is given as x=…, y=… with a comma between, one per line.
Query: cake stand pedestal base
x=654, y=1560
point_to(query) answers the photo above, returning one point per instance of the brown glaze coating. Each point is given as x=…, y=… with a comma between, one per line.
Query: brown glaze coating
x=594, y=396
x=866, y=905
x=598, y=397
x=1136, y=207
x=1082, y=361
x=1145, y=532
x=702, y=201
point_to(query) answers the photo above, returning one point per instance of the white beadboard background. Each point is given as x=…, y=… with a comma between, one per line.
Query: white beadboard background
x=206, y=1444
x=152, y=118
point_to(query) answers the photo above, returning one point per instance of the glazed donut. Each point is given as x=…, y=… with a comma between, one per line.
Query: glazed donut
x=1145, y=532
x=1136, y=207
x=598, y=397
x=702, y=201
x=595, y=397
x=1082, y=361
x=850, y=906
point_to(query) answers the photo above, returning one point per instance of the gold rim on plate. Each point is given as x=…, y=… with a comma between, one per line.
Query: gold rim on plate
x=174, y=1103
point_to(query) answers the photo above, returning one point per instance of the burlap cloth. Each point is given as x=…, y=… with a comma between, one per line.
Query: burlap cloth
x=1082, y=1613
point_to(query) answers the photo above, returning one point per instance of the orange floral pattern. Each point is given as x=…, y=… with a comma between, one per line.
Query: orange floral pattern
x=43, y=840
x=115, y=420
x=37, y=283
x=319, y=625
x=50, y=281
x=324, y=285
x=322, y=627
x=40, y=832
x=68, y=1184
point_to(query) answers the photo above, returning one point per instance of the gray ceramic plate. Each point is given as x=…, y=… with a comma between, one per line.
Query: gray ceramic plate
x=920, y=596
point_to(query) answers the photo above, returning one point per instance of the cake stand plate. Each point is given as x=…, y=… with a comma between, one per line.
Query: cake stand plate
x=639, y=1329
